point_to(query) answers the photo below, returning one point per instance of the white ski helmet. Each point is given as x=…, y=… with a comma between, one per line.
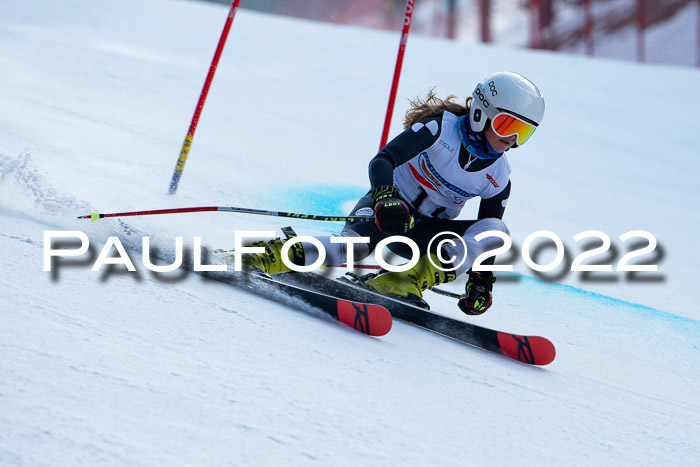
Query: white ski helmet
x=506, y=92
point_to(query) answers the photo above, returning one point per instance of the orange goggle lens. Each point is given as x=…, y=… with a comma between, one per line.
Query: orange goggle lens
x=505, y=125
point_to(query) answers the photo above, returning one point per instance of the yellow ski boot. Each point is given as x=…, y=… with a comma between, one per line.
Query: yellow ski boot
x=410, y=284
x=270, y=261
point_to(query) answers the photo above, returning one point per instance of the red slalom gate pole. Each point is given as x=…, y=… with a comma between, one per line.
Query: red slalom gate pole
x=397, y=70
x=182, y=159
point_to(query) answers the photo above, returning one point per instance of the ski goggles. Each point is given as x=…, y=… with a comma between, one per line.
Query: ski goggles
x=505, y=124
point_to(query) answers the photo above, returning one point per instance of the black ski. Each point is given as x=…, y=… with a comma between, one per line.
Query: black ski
x=367, y=318
x=533, y=350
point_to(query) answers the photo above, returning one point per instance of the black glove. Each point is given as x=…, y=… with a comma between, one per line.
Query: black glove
x=391, y=215
x=478, y=296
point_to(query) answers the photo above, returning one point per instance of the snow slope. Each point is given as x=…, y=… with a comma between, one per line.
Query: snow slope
x=140, y=368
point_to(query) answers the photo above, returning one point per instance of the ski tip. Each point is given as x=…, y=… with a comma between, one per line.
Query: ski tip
x=374, y=320
x=534, y=350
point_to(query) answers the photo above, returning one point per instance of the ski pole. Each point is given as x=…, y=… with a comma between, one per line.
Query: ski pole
x=93, y=216
x=397, y=70
x=182, y=159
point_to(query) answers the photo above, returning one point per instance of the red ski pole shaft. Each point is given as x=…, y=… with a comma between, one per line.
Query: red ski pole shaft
x=397, y=70
x=261, y=212
x=184, y=152
x=95, y=216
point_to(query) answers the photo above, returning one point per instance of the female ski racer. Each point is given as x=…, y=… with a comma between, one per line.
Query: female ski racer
x=447, y=154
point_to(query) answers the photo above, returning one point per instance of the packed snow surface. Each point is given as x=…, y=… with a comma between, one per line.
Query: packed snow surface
x=143, y=368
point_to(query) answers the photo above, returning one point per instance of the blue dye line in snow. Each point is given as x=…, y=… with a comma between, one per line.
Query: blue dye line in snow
x=615, y=301
x=323, y=199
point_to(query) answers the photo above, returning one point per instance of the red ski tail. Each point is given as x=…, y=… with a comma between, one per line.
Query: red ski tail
x=374, y=320
x=534, y=350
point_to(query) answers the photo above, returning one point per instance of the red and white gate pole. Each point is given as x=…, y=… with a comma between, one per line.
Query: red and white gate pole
x=397, y=70
x=182, y=159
